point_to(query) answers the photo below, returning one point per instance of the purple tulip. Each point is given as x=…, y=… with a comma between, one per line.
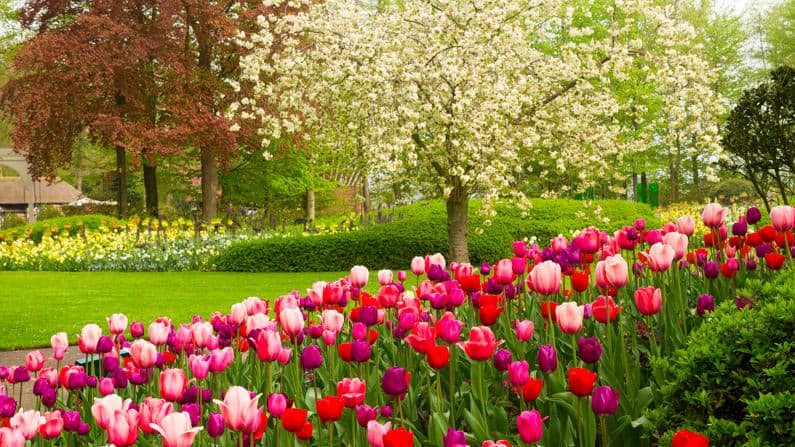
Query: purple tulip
x=518, y=265
x=394, y=381
x=485, y=268
x=3, y=372
x=520, y=248
x=547, y=358
x=365, y=414
x=455, y=296
x=589, y=350
x=640, y=224
x=510, y=291
x=48, y=397
x=492, y=286
x=711, y=269
x=751, y=265
x=215, y=425
x=21, y=374
x=360, y=351
x=104, y=345
x=71, y=420
x=315, y=331
x=194, y=411
x=311, y=358
x=137, y=329
x=502, y=359
x=455, y=438
x=110, y=364
x=706, y=303
x=91, y=381
x=8, y=406
x=368, y=315
x=83, y=429
x=386, y=411
x=119, y=377
x=604, y=400
x=39, y=386
x=437, y=274
x=739, y=228
x=753, y=215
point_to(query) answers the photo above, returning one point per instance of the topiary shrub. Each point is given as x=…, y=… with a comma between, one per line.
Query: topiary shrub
x=423, y=230
x=733, y=381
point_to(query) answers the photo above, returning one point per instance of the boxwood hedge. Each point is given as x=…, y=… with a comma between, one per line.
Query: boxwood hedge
x=423, y=230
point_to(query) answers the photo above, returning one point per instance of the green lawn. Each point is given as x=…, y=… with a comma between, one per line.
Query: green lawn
x=35, y=305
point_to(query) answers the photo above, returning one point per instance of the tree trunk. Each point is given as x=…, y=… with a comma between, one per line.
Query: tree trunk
x=644, y=188
x=673, y=173
x=397, y=192
x=367, y=205
x=781, y=186
x=694, y=170
x=457, y=222
x=310, y=205
x=150, y=189
x=209, y=184
x=121, y=170
x=635, y=186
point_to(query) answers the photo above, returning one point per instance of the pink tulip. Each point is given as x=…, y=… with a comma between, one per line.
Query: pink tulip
x=545, y=278
x=104, y=408
x=435, y=259
x=332, y=320
x=531, y=426
x=176, y=430
x=385, y=277
x=481, y=344
x=11, y=438
x=88, y=338
x=329, y=338
x=173, y=382
x=117, y=323
x=600, y=276
x=677, y=241
x=51, y=374
x=713, y=215
x=315, y=294
x=202, y=332
x=123, y=428
x=660, y=257
x=359, y=276
x=153, y=411
x=292, y=321
x=524, y=330
x=27, y=423
x=284, y=356
x=34, y=361
x=60, y=343
x=500, y=443
x=569, y=317
x=267, y=344
x=238, y=314
x=783, y=217
x=52, y=426
x=239, y=409
x=418, y=265
x=183, y=339
x=685, y=225
x=199, y=366
x=220, y=359
x=143, y=353
x=616, y=271
x=277, y=403
x=503, y=271
x=559, y=243
x=106, y=386
x=352, y=391
x=255, y=305
x=519, y=373
x=376, y=432
x=158, y=332
x=648, y=300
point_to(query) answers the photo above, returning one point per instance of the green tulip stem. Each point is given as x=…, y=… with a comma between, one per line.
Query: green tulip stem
x=574, y=349
x=482, y=372
x=604, y=430
x=579, y=422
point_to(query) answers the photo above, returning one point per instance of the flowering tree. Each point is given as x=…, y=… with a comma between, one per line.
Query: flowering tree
x=469, y=91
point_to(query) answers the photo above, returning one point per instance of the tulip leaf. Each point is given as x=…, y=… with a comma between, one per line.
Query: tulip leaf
x=475, y=421
x=438, y=429
x=644, y=397
x=563, y=401
x=640, y=421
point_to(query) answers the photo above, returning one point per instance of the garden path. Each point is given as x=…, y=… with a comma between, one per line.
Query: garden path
x=15, y=358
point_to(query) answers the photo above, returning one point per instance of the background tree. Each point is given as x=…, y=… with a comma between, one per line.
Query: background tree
x=470, y=90
x=760, y=135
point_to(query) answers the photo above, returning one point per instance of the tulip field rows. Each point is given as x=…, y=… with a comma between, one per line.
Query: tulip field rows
x=552, y=347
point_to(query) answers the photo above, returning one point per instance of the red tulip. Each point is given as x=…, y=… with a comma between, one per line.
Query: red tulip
x=330, y=408
x=438, y=356
x=581, y=381
x=305, y=432
x=549, y=308
x=579, y=281
x=774, y=261
x=423, y=335
x=604, y=306
x=293, y=419
x=532, y=389
x=687, y=438
x=481, y=344
x=399, y=438
x=648, y=300
x=344, y=350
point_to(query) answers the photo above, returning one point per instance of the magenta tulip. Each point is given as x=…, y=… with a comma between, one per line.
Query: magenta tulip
x=530, y=425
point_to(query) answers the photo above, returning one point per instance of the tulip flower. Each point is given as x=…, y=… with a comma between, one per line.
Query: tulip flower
x=215, y=425
x=604, y=400
x=117, y=323
x=532, y=389
x=616, y=271
x=51, y=426
x=173, y=382
x=152, y=411
x=687, y=438
x=454, y=438
x=376, y=432
x=685, y=225
x=352, y=391
x=11, y=438
x=603, y=308
x=648, y=300
x=660, y=257
x=503, y=271
x=399, y=437
x=199, y=366
x=277, y=403
x=292, y=321
x=589, y=350
x=104, y=408
x=239, y=409
x=547, y=358
x=332, y=320
x=293, y=419
x=524, y=330
x=581, y=381
x=158, y=332
x=34, y=360
x=783, y=217
x=60, y=343
x=385, y=277
x=481, y=344
x=311, y=358
x=359, y=276
x=530, y=426
x=27, y=423
x=545, y=278
x=329, y=408
x=569, y=317
x=176, y=430
x=123, y=428
x=519, y=373
x=365, y=414
x=143, y=353
x=88, y=338
x=713, y=215
x=774, y=261
x=438, y=356
x=8, y=406
x=500, y=443
x=395, y=381
x=706, y=303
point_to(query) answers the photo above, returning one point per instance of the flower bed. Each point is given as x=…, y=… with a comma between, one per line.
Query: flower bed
x=553, y=346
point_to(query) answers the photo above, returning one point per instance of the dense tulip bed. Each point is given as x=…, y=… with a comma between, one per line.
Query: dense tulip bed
x=551, y=347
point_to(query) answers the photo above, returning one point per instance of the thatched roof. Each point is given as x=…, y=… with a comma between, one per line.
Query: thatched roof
x=12, y=192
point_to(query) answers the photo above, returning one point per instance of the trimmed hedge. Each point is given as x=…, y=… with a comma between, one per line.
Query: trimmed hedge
x=733, y=381
x=73, y=224
x=423, y=230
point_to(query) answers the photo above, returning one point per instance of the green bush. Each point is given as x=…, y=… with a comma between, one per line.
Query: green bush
x=48, y=211
x=423, y=230
x=13, y=220
x=733, y=381
x=73, y=224
x=104, y=209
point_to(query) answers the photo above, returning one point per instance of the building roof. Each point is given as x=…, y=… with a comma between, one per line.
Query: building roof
x=12, y=192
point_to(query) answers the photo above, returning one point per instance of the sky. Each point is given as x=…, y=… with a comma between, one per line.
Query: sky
x=742, y=7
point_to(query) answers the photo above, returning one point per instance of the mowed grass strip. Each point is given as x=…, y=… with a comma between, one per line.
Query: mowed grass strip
x=36, y=305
